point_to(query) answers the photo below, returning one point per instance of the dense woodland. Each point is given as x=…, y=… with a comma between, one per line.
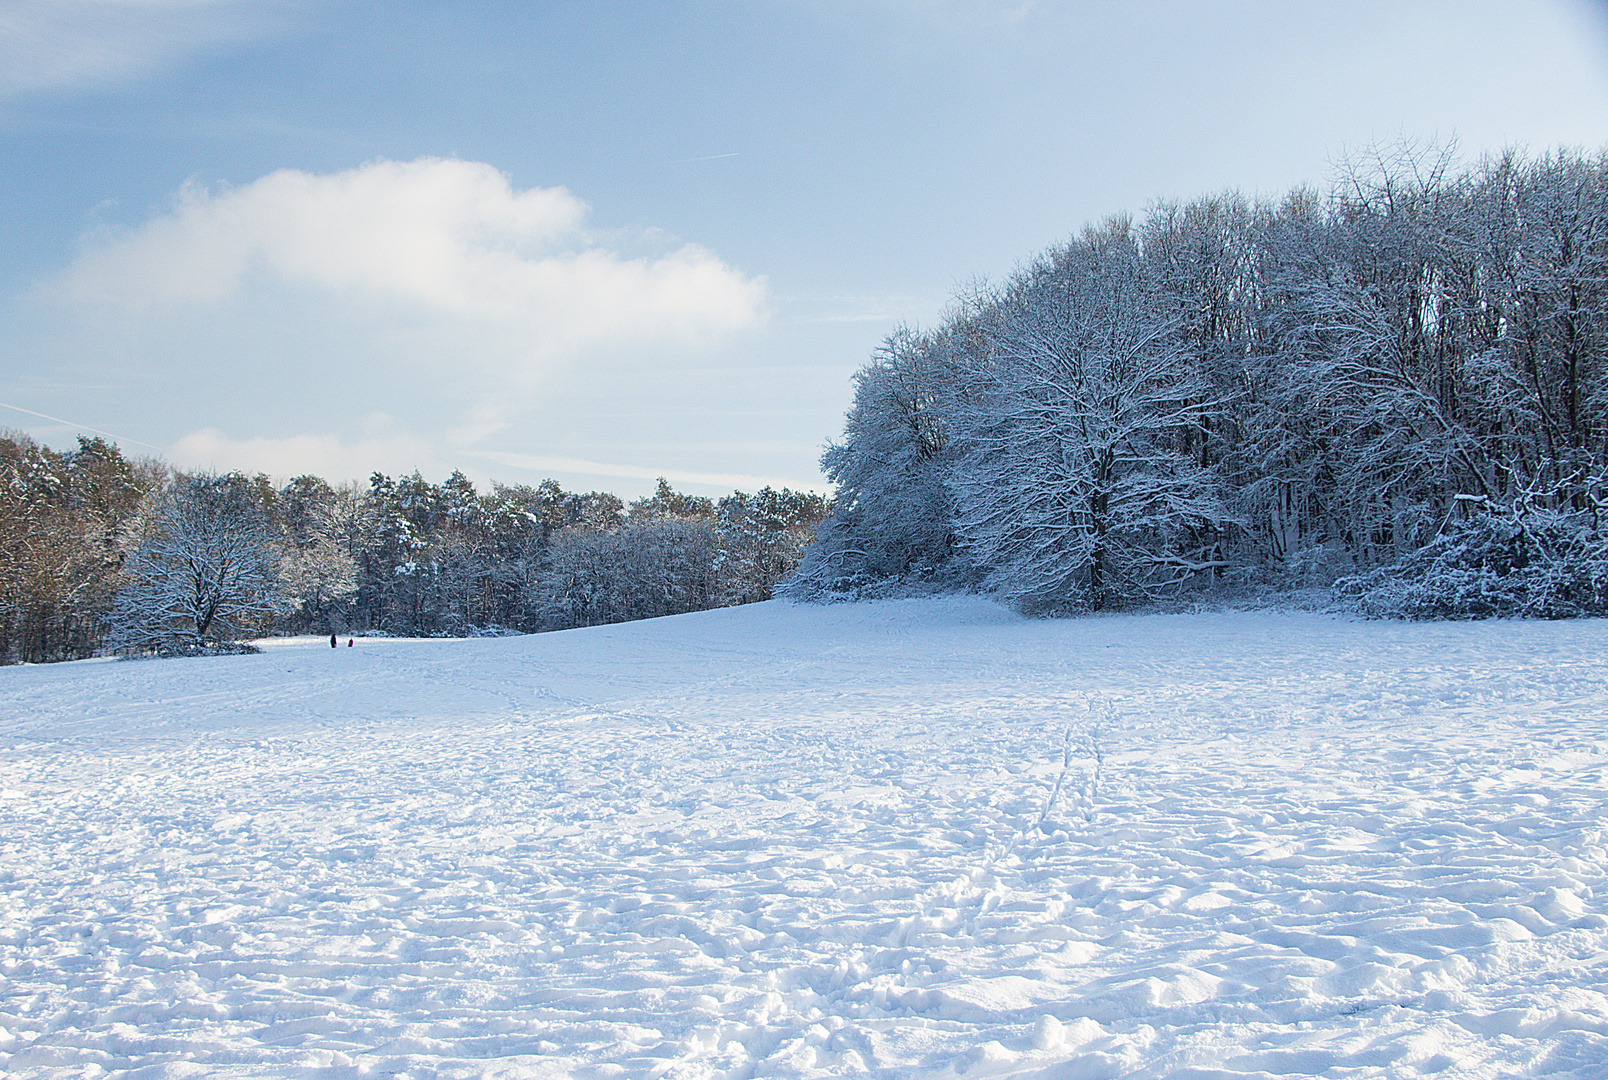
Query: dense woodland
x=1239, y=394
x=100, y=552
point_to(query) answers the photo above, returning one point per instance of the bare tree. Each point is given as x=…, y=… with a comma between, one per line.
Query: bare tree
x=201, y=567
x=1074, y=488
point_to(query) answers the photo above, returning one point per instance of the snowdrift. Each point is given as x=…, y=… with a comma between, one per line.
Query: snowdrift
x=906, y=838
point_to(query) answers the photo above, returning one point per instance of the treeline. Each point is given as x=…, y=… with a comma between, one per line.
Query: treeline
x=100, y=552
x=61, y=520
x=1259, y=394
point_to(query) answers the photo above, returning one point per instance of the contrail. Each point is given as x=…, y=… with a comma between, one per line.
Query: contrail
x=708, y=157
x=81, y=427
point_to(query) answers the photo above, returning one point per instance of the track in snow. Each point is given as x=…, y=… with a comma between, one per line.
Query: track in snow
x=906, y=838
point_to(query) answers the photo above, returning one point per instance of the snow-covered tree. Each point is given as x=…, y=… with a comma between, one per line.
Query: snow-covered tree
x=667, y=502
x=319, y=533
x=317, y=581
x=893, y=511
x=1527, y=559
x=59, y=557
x=639, y=571
x=761, y=538
x=201, y=566
x=1074, y=490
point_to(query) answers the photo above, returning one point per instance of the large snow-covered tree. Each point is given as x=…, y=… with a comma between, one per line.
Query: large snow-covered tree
x=201, y=566
x=1074, y=489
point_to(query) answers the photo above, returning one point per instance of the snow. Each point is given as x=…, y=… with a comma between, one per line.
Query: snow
x=907, y=838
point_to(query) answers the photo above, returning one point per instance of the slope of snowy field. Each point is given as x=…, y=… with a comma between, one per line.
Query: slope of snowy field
x=916, y=838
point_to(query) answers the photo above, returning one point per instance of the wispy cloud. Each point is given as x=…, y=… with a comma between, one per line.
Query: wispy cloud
x=74, y=45
x=78, y=427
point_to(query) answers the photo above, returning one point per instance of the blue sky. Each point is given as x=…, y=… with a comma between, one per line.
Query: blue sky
x=604, y=242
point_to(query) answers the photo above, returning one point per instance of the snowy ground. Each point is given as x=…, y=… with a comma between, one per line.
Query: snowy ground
x=905, y=839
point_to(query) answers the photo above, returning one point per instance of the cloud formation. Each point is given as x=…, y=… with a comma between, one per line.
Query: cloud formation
x=377, y=449
x=451, y=239
x=262, y=323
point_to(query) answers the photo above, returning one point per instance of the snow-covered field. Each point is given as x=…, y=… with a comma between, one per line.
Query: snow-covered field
x=916, y=838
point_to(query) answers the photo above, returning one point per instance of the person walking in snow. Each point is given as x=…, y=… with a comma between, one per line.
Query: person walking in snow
x=332, y=639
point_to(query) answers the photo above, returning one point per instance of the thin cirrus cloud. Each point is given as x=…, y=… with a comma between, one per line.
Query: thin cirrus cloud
x=74, y=45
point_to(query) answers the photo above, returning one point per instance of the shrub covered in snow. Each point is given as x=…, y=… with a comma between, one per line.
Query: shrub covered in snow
x=206, y=648
x=1521, y=562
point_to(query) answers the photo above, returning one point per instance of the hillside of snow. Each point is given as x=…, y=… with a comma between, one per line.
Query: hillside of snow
x=912, y=838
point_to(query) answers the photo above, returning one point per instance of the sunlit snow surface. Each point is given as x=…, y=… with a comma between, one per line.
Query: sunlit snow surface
x=900, y=839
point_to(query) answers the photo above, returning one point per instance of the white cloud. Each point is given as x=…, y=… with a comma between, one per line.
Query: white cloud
x=87, y=44
x=577, y=467
x=259, y=325
x=378, y=449
x=446, y=241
